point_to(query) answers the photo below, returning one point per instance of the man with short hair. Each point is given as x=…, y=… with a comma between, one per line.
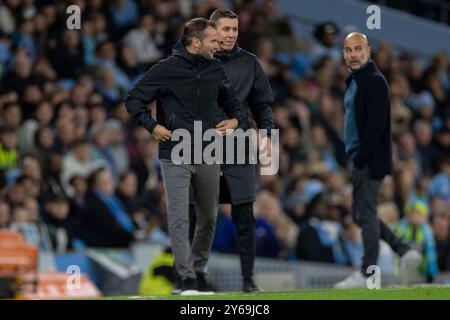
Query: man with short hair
x=238, y=181
x=188, y=86
x=367, y=138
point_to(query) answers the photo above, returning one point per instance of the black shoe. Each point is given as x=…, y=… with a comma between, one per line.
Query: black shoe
x=250, y=286
x=203, y=285
x=177, y=286
x=189, y=284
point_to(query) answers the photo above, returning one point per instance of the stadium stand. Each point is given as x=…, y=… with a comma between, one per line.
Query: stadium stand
x=62, y=118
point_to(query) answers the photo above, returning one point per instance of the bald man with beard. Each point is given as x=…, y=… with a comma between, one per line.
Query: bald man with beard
x=367, y=138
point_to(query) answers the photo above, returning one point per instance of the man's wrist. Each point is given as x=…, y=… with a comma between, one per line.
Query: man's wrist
x=152, y=127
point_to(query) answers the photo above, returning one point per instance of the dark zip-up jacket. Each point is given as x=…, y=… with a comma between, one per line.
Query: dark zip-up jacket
x=373, y=121
x=251, y=85
x=186, y=88
x=255, y=96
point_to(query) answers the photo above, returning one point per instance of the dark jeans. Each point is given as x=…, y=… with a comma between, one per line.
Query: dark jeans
x=364, y=209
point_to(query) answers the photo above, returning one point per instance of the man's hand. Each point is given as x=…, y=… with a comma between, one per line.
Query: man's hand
x=225, y=125
x=266, y=145
x=161, y=134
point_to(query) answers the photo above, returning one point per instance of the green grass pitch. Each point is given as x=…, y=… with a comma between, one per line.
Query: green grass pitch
x=392, y=293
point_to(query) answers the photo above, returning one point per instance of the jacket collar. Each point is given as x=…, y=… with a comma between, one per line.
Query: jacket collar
x=228, y=55
x=179, y=49
x=369, y=68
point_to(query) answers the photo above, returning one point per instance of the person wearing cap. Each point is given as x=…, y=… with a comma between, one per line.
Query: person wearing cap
x=415, y=229
x=368, y=144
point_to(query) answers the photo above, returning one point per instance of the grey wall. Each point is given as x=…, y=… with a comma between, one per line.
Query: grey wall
x=419, y=36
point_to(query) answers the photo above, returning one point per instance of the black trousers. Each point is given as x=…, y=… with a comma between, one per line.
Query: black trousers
x=364, y=210
x=244, y=220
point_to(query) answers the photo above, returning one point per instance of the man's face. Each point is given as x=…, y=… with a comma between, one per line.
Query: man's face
x=105, y=183
x=227, y=32
x=83, y=152
x=209, y=44
x=356, y=52
x=416, y=218
x=9, y=139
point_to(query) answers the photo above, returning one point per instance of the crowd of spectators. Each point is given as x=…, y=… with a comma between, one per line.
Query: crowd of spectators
x=76, y=171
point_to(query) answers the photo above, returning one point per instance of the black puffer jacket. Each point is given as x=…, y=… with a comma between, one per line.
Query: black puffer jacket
x=186, y=88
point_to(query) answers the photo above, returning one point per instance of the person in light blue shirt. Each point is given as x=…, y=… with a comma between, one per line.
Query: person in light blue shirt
x=440, y=184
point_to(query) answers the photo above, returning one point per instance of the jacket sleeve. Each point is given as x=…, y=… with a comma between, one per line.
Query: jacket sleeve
x=377, y=112
x=148, y=89
x=260, y=99
x=227, y=100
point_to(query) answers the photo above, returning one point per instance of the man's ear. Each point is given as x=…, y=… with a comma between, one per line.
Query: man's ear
x=196, y=43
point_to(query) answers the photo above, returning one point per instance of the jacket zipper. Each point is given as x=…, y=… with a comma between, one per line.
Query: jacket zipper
x=172, y=120
x=198, y=92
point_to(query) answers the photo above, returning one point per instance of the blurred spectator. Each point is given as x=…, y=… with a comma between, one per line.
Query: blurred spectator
x=319, y=237
x=9, y=155
x=42, y=117
x=12, y=115
x=141, y=41
x=106, y=59
x=423, y=134
x=7, y=20
x=21, y=222
x=275, y=233
x=5, y=214
x=416, y=231
x=42, y=144
x=327, y=43
x=119, y=154
x=440, y=184
x=105, y=219
x=130, y=65
x=440, y=224
x=124, y=14
x=67, y=59
x=126, y=192
x=80, y=188
x=79, y=161
x=61, y=225
x=388, y=213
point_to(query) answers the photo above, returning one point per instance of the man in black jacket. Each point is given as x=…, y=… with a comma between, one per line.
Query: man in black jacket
x=367, y=137
x=188, y=86
x=238, y=181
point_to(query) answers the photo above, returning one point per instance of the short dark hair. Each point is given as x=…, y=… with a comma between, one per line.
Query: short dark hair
x=222, y=13
x=194, y=28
